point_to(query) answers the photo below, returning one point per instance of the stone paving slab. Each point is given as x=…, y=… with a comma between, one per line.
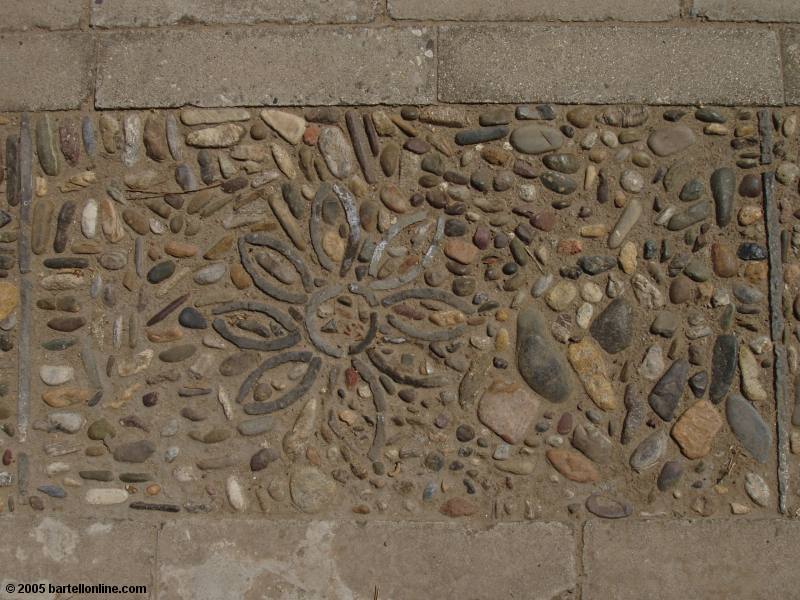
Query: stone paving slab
x=227, y=67
x=748, y=10
x=571, y=10
x=155, y=13
x=674, y=560
x=40, y=14
x=664, y=65
x=45, y=71
x=65, y=551
x=791, y=66
x=280, y=560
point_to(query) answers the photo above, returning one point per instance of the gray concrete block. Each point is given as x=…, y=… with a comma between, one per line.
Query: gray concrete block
x=787, y=11
x=608, y=64
x=45, y=71
x=265, y=66
x=282, y=560
x=155, y=13
x=65, y=551
x=702, y=559
x=791, y=66
x=40, y=14
x=535, y=10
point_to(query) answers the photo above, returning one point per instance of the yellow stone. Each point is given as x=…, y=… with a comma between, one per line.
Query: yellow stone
x=333, y=245
x=447, y=318
x=9, y=299
x=590, y=365
x=627, y=257
x=594, y=231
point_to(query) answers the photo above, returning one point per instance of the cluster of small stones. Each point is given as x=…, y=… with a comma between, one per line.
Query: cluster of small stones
x=511, y=311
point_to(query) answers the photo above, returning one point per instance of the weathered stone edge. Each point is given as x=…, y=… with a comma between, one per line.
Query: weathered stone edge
x=791, y=96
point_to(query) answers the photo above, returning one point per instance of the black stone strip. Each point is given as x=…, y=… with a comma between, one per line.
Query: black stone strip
x=348, y=202
x=429, y=335
x=364, y=344
x=263, y=283
x=314, y=228
x=314, y=334
x=429, y=294
x=284, y=320
x=765, y=132
x=772, y=217
x=23, y=356
x=270, y=363
x=261, y=239
x=290, y=397
x=379, y=399
x=25, y=173
x=244, y=342
x=421, y=382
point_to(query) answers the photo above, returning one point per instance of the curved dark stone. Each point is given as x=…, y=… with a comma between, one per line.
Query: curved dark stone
x=539, y=360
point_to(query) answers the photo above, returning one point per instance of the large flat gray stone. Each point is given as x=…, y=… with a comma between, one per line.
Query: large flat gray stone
x=260, y=66
x=155, y=13
x=748, y=10
x=40, y=14
x=541, y=10
x=702, y=559
x=791, y=66
x=62, y=551
x=608, y=64
x=326, y=560
x=45, y=71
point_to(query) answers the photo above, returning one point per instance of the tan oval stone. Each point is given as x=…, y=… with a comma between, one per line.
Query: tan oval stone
x=166, y=334
x=178, y=249
x=572, y=465
x=460, y=250
x=333, y=245
x=66, y=396
x=447, y=318
x=239, y=277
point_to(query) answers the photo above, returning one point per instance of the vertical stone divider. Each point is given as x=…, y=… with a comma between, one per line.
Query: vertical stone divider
x=25, y=170
x=782, y=412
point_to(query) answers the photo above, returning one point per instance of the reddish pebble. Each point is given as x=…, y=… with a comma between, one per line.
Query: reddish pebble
x=564, y=424
x=544, y=221
x=570, y=247
x=351, y=377
x=482, y=238
x=311, y=135
x=8, y=456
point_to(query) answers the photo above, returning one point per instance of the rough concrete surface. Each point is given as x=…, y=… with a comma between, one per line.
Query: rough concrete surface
x=40, y=14
x=791, y=66
x=252, y=66
x=344, y=560
x=44, y=71
x=154, y=13
x=569, y=10
x=748, y=10
x=669, y=560
x=665, y=65
x=60, y=551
